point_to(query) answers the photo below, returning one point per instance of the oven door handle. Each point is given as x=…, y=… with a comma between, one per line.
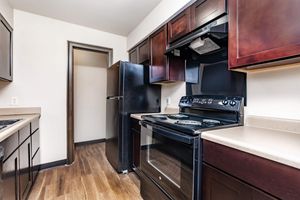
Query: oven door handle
x=167, y=133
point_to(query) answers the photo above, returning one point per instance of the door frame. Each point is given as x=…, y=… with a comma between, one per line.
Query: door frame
x=70, y=90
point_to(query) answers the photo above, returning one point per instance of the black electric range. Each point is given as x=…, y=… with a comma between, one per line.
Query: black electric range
x=171, y=143
x=202, y=113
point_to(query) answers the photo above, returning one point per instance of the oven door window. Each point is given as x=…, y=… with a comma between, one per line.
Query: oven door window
x=168, y=162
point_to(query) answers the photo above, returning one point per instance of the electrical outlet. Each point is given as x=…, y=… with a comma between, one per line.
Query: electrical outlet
x=14, y=101
x=168, y=100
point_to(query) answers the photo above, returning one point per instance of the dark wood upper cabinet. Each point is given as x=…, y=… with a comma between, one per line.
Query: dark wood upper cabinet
x=179, y=26
x=6, y=38
x=204, y=11
x=263, y=31
x=143, y=52
x=140, y=53
x=158, y=60
x=163, y=68
x=133, y=56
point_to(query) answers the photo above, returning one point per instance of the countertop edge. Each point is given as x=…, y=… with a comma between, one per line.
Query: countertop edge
x=4, y=134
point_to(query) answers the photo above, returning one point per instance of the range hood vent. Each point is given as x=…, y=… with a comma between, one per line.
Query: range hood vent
x=203, y=40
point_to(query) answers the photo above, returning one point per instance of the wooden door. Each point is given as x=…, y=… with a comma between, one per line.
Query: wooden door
x=262, y=31
x=158, y=66
x=179, y=26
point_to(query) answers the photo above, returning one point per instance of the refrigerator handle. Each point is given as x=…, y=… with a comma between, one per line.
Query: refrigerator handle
x=114, y=97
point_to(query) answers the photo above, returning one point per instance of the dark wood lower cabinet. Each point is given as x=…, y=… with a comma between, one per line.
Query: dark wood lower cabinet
x=136, y=141
x=19, y=163
x=218, y=185
x=9, y=178
x=24, y=171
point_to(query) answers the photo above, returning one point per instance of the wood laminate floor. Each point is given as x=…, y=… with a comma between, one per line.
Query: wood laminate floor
x=89, y=177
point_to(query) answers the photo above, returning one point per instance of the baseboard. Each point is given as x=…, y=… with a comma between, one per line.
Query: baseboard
x=53, y=164
x=90, y=142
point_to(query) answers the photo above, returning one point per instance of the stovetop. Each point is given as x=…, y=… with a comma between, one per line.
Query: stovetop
x=188, y=123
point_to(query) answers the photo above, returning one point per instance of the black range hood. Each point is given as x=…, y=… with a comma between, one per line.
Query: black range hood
x=204, y=40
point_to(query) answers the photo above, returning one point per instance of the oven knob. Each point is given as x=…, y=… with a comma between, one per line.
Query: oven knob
x=232, y=103
x=225, y=102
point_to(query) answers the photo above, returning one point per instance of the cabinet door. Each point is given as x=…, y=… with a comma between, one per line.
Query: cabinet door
x=133, y=56
x=143, y=52
x=261, y=31
x=25, y=164
x=158, y=66
x=204, y=11
x=5, y=50
x=9, y=180
x=220, y=186
x=36, y=163
x=179, y=26
x=136, y=141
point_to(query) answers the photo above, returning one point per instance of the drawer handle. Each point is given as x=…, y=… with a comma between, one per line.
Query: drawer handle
x=159, y=178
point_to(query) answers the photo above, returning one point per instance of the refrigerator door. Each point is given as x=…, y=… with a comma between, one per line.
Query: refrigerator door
x=113, y=128
x=139, y=96
x=114, y=80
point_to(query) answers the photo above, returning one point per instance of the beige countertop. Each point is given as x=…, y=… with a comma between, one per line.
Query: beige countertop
x=138, y=116
x=273, y=139
x=26, y=115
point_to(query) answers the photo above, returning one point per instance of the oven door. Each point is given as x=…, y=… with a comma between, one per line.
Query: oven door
x=170, y=159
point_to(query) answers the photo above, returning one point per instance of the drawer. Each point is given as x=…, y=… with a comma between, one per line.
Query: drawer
x=10, y=144
x=35, y=141
x=35, y=125
x=24, y=133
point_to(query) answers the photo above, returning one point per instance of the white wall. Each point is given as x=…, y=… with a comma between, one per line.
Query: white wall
x=90, y=75
x=7, y=11
x=40, y=72
x=274, y=93
x=164, y=10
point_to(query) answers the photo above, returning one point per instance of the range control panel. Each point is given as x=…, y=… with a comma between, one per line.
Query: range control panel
x=224, y=103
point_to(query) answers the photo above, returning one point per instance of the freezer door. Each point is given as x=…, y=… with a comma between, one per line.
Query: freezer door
x=113, y=124
x=113, y=80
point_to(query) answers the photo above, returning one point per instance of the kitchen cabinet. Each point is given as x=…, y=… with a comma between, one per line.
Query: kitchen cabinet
x=136, y=141
x=18, y=166
x=218, y=185
x=261, y=32
x=24, y=170
x=140, y=53
x=203, y=11
x=179, y=26
x=271, y=180
x=164, y=68
x=6, y=37
x=35, y=149
x=9, y=180
x=133, y=56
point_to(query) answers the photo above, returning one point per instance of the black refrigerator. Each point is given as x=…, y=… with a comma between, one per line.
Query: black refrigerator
x=128, y=91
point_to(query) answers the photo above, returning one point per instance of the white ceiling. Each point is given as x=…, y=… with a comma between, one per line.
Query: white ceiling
x=114, y=16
